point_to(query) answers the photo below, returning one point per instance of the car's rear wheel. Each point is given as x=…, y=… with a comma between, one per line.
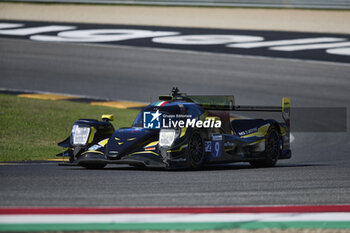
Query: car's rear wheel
x=272, y=149
x=195, y=151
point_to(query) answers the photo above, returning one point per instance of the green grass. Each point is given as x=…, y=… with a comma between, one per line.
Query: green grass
x=30, y=128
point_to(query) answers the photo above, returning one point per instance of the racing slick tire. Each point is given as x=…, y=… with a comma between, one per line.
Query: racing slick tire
x=272, y=149
x=195, y=151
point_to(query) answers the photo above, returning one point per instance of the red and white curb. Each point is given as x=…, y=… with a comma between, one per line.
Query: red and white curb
x=174, y=218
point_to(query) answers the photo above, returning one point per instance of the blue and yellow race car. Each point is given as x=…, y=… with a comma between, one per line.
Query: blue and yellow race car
x=181, y=131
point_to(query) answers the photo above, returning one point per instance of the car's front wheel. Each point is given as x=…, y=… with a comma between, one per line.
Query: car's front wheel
x=195, y=151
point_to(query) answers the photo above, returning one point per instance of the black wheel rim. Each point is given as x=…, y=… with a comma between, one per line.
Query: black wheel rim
x=196, y=148
x=274, y=146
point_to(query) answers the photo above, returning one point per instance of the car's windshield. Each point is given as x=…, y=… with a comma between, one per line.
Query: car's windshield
x=138, y=122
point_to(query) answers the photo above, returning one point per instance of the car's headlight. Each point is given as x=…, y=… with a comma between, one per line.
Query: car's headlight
x=168, y=136
x=80, y=134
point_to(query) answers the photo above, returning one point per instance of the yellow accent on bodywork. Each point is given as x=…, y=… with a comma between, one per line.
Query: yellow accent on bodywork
x=120, y=143
x=130, y=139
x=103, y=142
x=92, y=134
x=108, y=116
x=94, y=151
x=178, y=150
x=183, y=132
x=118, y=139
x=229, y=149
x=259, y=141
x=260, y=133
x=152, y=144
x=283, y=131
x=213, y=118
x=203, y=116
x=144, y=152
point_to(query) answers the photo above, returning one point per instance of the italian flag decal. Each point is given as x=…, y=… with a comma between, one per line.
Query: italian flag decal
x=174, y=218
x=160, y=103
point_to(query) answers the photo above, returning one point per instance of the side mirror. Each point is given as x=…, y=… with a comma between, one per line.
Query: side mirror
x=107, y=117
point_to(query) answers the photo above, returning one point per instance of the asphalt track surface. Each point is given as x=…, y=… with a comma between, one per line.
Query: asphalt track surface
x=318, y=173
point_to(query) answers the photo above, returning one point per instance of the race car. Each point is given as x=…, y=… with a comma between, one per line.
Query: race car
x=182, y=131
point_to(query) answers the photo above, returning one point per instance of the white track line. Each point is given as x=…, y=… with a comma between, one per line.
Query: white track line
x=285, y=42
x=192, y=52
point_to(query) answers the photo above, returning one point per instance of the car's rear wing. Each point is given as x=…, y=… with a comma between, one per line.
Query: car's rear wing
x=285, y=109
x=227, y=103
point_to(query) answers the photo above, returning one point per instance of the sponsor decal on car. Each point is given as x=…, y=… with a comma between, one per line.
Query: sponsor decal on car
x=95, y=147
x=157, y=120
